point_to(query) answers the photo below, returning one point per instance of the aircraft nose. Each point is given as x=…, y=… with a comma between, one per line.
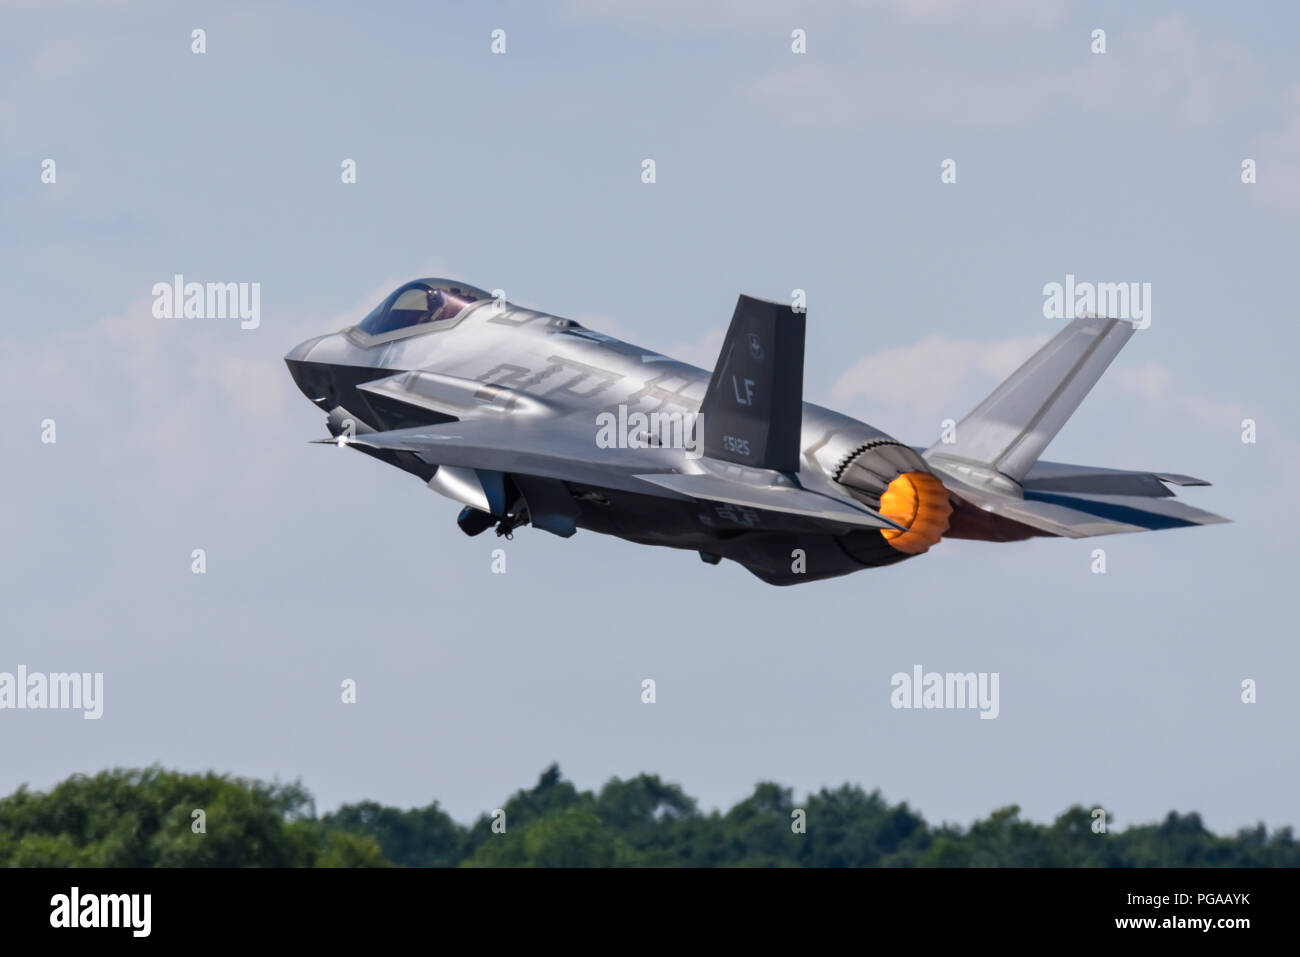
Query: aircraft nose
x=302, y=350
x=308, y=376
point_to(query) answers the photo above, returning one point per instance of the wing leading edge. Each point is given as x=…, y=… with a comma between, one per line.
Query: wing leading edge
x=533, y=449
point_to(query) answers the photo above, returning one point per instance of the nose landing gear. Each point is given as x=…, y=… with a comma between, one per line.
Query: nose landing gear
x=474, y=522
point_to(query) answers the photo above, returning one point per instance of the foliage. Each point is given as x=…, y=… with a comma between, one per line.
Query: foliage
x=145, y=818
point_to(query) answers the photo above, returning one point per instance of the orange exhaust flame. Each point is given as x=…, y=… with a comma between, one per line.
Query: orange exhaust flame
x=919, y=501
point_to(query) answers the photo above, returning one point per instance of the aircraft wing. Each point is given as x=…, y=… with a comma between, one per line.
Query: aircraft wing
x=531, y=447
x=786, y=499
x=549, y=450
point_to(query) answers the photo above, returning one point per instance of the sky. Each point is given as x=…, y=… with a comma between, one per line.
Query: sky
x=774, y=171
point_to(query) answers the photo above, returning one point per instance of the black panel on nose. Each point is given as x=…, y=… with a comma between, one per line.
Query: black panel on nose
x=330, y=386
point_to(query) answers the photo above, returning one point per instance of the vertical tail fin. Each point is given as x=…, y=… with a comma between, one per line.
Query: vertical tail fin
x=752, y=412
x=1009, y=430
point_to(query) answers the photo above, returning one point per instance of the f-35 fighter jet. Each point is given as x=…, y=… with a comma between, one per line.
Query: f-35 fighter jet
x=525, y=418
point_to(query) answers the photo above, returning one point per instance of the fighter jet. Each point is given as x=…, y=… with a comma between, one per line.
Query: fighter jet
x=527, y=418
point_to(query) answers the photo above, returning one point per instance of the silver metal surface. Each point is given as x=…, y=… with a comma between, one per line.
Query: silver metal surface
x=498, y=396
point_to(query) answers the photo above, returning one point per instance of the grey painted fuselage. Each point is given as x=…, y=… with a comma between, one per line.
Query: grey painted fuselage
x=512, y=396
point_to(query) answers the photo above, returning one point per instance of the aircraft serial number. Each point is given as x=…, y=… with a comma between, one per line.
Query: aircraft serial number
x=733, y=444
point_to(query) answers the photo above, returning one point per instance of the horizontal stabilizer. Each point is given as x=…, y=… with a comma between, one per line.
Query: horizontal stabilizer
x=1069, y=514
x=1059, y=477
x=1175, y=479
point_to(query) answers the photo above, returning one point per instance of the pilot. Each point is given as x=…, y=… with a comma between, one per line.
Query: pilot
x=436, y=306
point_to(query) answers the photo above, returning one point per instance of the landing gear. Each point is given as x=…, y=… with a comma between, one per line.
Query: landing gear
x=506, y=527
x=473, y=522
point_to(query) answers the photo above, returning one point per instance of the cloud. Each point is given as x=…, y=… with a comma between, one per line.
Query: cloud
x=1150, y=381
x=194, y=402
x=1154, y=383
x=188, y=408
x=765, y=16
x=915, y=387
x=964, y=77
x=937, y=363
x=1278, y=161
x=702, y=352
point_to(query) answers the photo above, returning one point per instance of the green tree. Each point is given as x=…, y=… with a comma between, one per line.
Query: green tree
x=420, y=837
x=145, y=818
x=569, y=837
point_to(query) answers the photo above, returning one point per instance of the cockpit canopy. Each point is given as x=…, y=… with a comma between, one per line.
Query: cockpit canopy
x=419, y=302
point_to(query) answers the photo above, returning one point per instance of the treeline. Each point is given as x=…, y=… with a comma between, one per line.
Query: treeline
x=158, y=818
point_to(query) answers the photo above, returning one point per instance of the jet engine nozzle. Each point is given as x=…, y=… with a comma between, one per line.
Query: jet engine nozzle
x=919, y=501
x=893, y=479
